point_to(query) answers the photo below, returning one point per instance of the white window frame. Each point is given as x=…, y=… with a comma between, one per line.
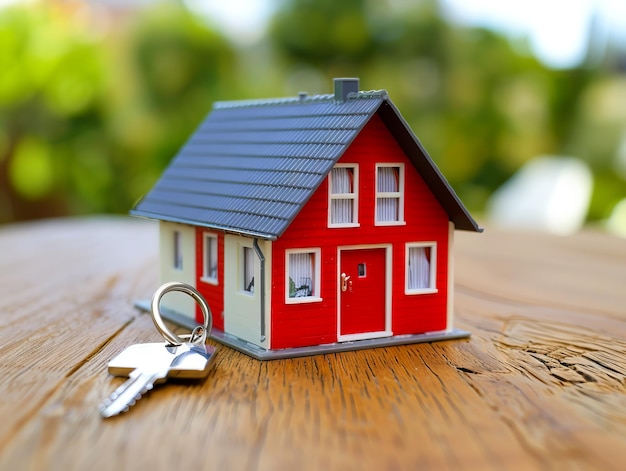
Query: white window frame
x=399, y=195
x=247, y=254
x=432, y=288
x=354, y=197
x=206, y=269
x=177, y=250
x=315, y=296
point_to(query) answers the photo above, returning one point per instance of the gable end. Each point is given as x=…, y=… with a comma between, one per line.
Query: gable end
x=445, y=194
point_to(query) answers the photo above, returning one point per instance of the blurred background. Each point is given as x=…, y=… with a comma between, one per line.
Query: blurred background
x=515, y=101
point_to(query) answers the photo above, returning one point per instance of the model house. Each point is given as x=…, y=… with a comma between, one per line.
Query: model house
x=310, y=224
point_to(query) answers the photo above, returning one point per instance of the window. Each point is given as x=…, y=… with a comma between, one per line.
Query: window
x=389, y=194
x=343, y=189
x=209, y=269
x=421, y=262
x=178, y=250
x=248, y=270
x=303, y=275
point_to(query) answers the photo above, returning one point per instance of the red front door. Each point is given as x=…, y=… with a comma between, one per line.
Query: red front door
x=362, y=282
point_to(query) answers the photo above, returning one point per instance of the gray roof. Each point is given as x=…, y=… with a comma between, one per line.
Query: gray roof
x=252, y=165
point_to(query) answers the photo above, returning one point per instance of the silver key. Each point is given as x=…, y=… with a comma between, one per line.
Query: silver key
x=150, y=363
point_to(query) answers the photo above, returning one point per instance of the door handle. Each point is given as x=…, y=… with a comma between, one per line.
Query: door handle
x=344, y=282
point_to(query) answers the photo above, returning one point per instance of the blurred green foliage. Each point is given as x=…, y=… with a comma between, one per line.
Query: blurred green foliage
x=95, y=102
x=90, y=112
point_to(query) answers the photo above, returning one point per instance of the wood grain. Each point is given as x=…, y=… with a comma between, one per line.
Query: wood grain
x=541, y=384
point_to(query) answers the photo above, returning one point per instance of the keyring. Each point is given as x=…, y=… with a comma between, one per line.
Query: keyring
x=171, y=337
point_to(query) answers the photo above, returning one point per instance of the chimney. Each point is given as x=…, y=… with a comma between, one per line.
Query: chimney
x=344, y=86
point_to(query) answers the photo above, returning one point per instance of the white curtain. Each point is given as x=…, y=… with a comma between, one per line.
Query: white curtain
x=419, y=268
x=301, y=269
x=388, y=181
x=342, y=183
x=211, y=257
x=248, y=269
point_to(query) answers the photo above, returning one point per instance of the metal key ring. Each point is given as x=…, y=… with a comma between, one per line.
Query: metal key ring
x=158, y=320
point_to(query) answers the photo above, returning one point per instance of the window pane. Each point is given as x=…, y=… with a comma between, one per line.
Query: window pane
x=388, y=180
x=210, y=260
x=387, y=209
x=178, y=251
x=342, y=179
x=342, y=211
x=418, y=271
x=301, y=274
x=248, y=270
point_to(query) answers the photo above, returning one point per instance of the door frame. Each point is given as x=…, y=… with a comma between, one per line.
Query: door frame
x=388, y=286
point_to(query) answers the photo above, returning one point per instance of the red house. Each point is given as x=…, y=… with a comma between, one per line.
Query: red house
x=310, y=224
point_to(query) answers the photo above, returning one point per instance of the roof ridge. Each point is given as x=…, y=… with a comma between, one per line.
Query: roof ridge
x=222, y=105
x=382, y=93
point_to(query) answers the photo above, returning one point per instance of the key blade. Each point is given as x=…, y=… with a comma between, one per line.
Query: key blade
x=128, y=393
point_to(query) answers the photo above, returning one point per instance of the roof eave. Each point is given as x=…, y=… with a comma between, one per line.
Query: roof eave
x=189, y=222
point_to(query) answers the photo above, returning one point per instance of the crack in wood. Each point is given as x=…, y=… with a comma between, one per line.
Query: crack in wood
x=570, y=355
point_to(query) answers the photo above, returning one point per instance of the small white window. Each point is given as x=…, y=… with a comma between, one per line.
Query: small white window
x=178, y=250
x=209, y=269
x=389, y=194
x=248, y=270
x=343, y=187
x=303, y=275
x=421, y=264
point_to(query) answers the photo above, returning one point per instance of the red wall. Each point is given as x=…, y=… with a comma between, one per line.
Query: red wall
x=214, y=294
x=316, y=323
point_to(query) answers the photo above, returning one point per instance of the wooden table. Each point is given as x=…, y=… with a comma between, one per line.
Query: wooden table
x=541, y=384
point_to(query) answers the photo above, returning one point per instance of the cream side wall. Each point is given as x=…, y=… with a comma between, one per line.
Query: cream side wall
x=179, y=302
x=450, y=316
x=242, y=310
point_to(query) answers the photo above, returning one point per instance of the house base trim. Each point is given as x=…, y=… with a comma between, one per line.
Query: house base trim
x=263, y=354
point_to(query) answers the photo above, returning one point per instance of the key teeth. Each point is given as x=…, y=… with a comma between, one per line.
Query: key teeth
x=108, y=402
